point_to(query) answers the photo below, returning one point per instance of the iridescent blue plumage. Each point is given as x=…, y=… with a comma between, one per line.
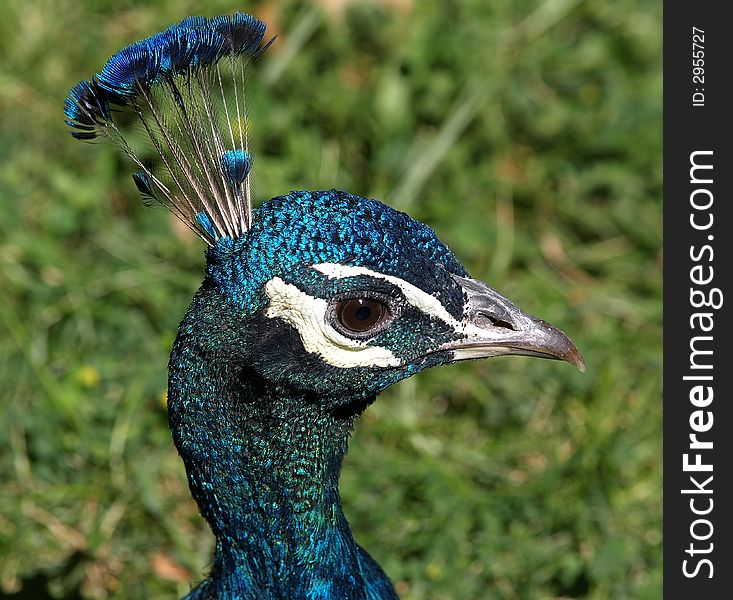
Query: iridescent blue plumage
x=235, y=166
x=194, y=42
x=311, y=305
x=203, y=219
x=329, y=226
x=243, y=33
x=181, y=48
x=86, y=108
x=132, y=68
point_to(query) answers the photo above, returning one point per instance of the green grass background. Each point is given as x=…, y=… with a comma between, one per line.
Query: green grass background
x=527, y=133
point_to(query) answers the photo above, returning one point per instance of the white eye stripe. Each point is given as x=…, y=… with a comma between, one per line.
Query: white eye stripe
x=421, y=300
x=307, y=315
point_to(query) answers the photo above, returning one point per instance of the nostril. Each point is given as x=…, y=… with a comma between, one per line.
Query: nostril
x=485, y=318
x=499, y=323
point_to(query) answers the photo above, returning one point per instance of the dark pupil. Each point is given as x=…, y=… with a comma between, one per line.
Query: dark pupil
x=360, y=314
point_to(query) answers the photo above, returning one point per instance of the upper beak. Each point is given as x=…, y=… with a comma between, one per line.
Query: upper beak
x=494, y=326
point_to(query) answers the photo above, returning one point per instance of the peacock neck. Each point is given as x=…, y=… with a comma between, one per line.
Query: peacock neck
x=263, y=464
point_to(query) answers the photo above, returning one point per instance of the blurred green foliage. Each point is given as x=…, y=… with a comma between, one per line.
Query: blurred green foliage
x=526, y=133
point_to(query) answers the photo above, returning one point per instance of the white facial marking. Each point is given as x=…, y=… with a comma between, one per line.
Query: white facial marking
x=414, y=295
x=308, y=316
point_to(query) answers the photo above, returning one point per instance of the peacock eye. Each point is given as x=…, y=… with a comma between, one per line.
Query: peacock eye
x=359, y=315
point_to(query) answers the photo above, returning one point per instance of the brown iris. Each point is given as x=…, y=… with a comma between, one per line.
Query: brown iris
x=360, y=314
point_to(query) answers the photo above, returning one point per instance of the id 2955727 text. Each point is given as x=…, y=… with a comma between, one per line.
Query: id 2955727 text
x=698, y=66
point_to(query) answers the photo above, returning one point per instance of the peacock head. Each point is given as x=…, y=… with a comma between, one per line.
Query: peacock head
x=343, y=296
x=323, y=292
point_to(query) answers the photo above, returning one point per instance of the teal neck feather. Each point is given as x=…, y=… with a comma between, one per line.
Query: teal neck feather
x=263, y=465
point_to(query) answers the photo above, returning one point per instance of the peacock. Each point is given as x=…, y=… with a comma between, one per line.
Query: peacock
x=311, y=305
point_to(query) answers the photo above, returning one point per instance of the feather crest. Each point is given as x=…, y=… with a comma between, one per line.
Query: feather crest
x=186, y=86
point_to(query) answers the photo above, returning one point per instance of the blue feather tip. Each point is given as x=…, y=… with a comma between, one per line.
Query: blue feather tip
x=207, y=226
x=235, y=166
x=86, y=108
x=145, y=186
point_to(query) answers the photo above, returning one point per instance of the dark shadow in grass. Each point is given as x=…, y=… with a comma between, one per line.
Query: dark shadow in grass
x=35, y=587
x=579, y=587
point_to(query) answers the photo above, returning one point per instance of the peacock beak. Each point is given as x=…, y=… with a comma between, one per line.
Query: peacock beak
x=493, y=326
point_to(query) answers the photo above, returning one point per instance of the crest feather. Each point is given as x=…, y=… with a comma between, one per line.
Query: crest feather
x=186, y=86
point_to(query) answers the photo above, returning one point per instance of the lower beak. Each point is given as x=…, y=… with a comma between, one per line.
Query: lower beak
x=493, y=326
